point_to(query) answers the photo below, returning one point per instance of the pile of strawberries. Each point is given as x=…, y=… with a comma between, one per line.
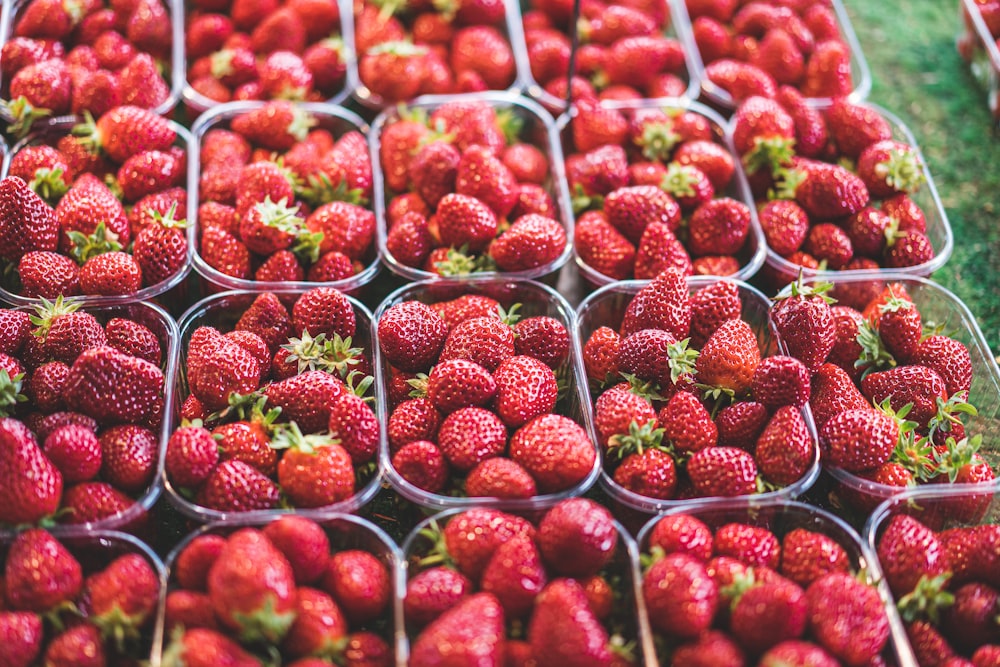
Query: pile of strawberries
x=475, y=399
x=98, y=210
x=82, y=398
x=945, y=581
x=406, y=49
x=282, y=197
x=888, y=398
x=837, y=191
x=288, y=589
x=626, y=50
x=469, y=188
x=274, y=410
x=685, y=403
x=654, y=188
x=752, y=48
x=743, y=594
x=75, y=602
x=565, y=583
x=66, y=58
x=250, y=50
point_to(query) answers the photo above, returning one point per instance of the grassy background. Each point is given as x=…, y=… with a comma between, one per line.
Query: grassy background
x=918, y=75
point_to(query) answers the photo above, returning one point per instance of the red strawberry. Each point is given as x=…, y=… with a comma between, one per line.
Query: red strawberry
x=218, y=367
x=471, y=538
x=111, y=274
x=88, y=502
x=487, y=341
x=553, y=641
x=471, y=632
x=127, y=130
x=909, y=550
x=579, y=527
x=465, y=221
x=909, y=248
x=555, y=450
x=755, y=546
x=805, y=324
x=687, y=425
x=234, y=486
x=718, y=227
x=785, y=225
x=828, y=191
x=29, y=224
x=128, y=456
x=807, y=555
x=828, y=71
x=34, y=484
x=830, y=245
x=123, y=595
x=662, y=304
x=858, y=439
x=740, y=424
x=195, y=559
x=315, y=471
x=847, y=617
x=516, y=576
x=855, y=126
x=500, y=478
x=526, y=388
x=531, y=241
x=832, y=392
x=79, y=646
x=722, y=471
x=411, y=335
x=631, y=209
x=602, y=247
x=659, y=249
x=544, y=338
x=431, y=592
x=360, y=583
x=471, y=435
x=595, y=126
x=133, y=338
x=784, y=450
x=191, y=455
x=484, y=50
x=780, y=380
x=768, y=613
x=711, y=647
x=949, y=358
x=740, y=80
x=22, y=634
x=421, y=463
x=392, y=70
x=40, y=573
x=276, y=125
x=75, y=451
x=319, y=624
x=729, y=357
x=458, y=383
x=889, y=168
x=760, y=119
x=680, y=595
x=617, y=409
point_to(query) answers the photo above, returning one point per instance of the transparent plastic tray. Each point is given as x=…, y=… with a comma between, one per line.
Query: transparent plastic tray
x=754, y=251
x=174, y=76
x=984, y=55
x=939, y=306
x=606, y=307
x=538, y=128
x=628, y=596
x=49, y=133
x=345, y=531
x=779, y=271
x=197, y=103
x=782, y=516
x=338, y=121
x=161, y=324
x=511, y=29
x=222, y=311
x=860, y=73
x=678, y=27
x=535, y=299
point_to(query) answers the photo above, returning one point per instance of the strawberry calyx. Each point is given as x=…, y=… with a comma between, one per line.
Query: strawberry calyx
x=772, y=154
x=640, y=437
x=86, y=246
x=949, y=413
x=47, y=312
x=10, y=392
x=22, y=115
x=118, y=626
x=658, y=140
x=334, y=355
x=582, y=201
x=901, y=170
x=927, y=600
x=401, y=48
x=509, y=316
x=290, y=436
x=90, y=136
x=741, y=583
x=320, y=190
x=358, y=384
x=623, y=649
x=679, y=180
x=388, y=8
x=647, y=560
x=956, y=455
x=55, y=615
x=798, y=288
x=457, y=263
x=243, y=407
x=169, y=220
x=48, y=183
x=681, y=360
x=437, y=554
x=220, y=63
x=307, y=245
x=419, y=384
x=647, y=389
x=873, y=356
x=265, y=623
x=279, y=215
x=915, y=454
x=510, y=125
x=786, y=182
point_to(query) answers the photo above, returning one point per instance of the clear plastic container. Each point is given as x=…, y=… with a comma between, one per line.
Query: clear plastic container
x=678, y=27
x=782, y=516
x=197, y=103
x=752, y=256
x=160, y=323
x=538, y=129
x=511, y=29
x=49, y=133
x=222, y=311
x=606, y=307
x=945, y=311
x=174, y=75
x=338, y=121
x=779, y=271
x=860, y=73
x=535, y=299
x=978, y=47
x=628, y=601
x=345, y=531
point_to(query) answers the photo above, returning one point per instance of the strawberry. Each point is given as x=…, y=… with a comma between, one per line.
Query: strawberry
x=889, y=168
x=80, y=646
x=711, y=647
x=949, y=358
x=484, y=50
x=682, y=533
x=111, y=274
x=515, y=575
x=413, y=419
x=740, y=424
x=315, y=471
x=804, y=323
x=680, y=595
x=729, y=357
x=616, y=409
x=760, y=119
x=465, y=221
x=867, y=231
x=75, y=451
x=431, y=592
x=832, y=392
x=88, y=502
x=595, y=126
x=392, y=70
x=459, y=383
x=916, y=385
x=22, y=633
x=324, y=310
x=687, y=425
x=252, y=588
x=218, y=367
x=411, y=335
x=128, y=457
x=544, y=338
x=40, y=573
x=602, y=247
x=555, y=450
x=830, y=245
x=469, y=436
x=319, y=623
x=784, y=451
x=807, y=555
x=123, y=595
x=854, y=127
x=486, y=340
x=360, y=583
x=531, y=241
x=276, y=125
x=579, y=527
x=722, y=471
x=133, y=338
x=755, y=546
x=234, y=486
x=740, y=80
x=631, y=209
x=768, y=613
x=421, y=463
x=858, y=439
x=553, y=640
x=470, y=632
x=658, y=250
x=191, y=455
x=204, y=647
x=29, y=224
x=35, y=483
x=127, y=130
x=195, y=559
x=526, y=388
x=847, y=617
x=909, y=248
x=780, y=380
x=829, y=191
x=718, y=227
x=500, y=478
x=909, y=550
x=828, y=71
x=662, y=304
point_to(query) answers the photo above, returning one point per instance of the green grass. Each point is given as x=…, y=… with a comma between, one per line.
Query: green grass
x=918, y=75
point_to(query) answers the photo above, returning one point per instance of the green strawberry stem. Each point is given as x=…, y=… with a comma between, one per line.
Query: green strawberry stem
x=457, y=263
x=100, y=242
x=957, y=455
x=47, y=312
x=335, y=356
x=874, y=355
x=10, y=392
x=772, y=154
x=320, y=190
x=639, y=438
x=49, y=184
x=22, y=116
x=290, y=436
x=927, y=600
x=902, y=171
x=658, y=141
x=949, y=413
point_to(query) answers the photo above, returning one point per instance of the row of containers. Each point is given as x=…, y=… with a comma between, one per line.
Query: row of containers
x=421, y=467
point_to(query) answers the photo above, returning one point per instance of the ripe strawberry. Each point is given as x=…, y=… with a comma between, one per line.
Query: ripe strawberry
x=544, y=338
x=35, y=484
x=195, y=559
x=29, y=224
x=411, y=335
x=729, y=357
x=500, y=477
x=319, y=624
x=687, y=425
x=858, y=439
x=807, y=555
x=471, y=538
x=234, y=486
x=595, y=126
x=718, y=227
x=392, y=70
x=755, y=546
x=315, y=471
x=421, y=463
x=471, y=631
x=658, y=250
x=579, y=527
x=681, y=596
x=827, y=192
x=88, y=502
x=127, y=130
x=662, y=304
x=828, y=71
x=909, y=248
x=889, y=168
x=832, y=392
x=555, y=450
x=111, y=274
x=79, y=646
x=360, y=583
x=916, y=385
x=75, y=451
x=123, y=595
x=949, y=358
x=128, y=457
x=854, y=127
x=526, y=388
x=22, y=633
x=631, y=209
x=252, y=588
x=740, y=80
x=805, y=324
x=553, y=641
x=602, y=247
x=722, y=471
x=133, y=338
x=469, y=436
x=204, y=647
x=758, y=119
x=768, y=613
x=784, y=451
x=617, y=409
x=431, y=592
x=484, y=50
x=113, y=387
x=531, y=241
x=276, y=125
x=191, y=455
x=304, y=543
x=909, y=550
x=40, y=573
x=847, y=617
